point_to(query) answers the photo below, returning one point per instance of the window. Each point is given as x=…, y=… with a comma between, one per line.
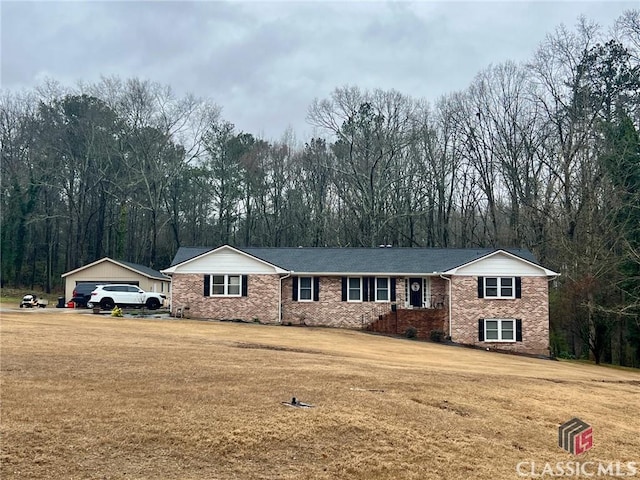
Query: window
x=305, y=289
x=367, y=289
x=225, y=285
x=500, y=330
x=354, y=289
x=382, y=289
x=499, y=287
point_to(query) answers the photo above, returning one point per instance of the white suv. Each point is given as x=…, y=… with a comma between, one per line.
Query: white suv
x=108, y=296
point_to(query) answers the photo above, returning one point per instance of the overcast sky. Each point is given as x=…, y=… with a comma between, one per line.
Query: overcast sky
x=265, y=62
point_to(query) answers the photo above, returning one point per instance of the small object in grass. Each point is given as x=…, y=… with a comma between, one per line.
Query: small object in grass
x=297, y=403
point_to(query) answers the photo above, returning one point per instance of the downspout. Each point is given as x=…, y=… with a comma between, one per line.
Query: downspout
x=280, y=295
x=448, y=280
x=170, y=275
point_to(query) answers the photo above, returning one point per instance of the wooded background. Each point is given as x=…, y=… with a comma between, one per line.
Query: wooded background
x=543, y=155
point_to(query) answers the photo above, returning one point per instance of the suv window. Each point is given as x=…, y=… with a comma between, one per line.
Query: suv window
x=133, y=289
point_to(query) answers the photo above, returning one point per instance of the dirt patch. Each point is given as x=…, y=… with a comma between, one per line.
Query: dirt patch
x=277, y=348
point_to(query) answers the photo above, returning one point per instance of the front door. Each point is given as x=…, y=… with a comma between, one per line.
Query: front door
x=415, y=292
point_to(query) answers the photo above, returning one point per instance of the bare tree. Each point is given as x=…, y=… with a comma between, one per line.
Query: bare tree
x=372, y=130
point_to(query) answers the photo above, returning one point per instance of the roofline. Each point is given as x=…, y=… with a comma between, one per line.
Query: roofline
x=172, y=269
x=548, y=273
x=105, y=259
x=278, y=268
x=377, y=274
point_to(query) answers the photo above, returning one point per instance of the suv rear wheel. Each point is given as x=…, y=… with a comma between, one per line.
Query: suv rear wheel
x=107, y=304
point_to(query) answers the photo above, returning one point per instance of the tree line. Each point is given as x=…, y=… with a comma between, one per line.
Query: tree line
x=543, y=155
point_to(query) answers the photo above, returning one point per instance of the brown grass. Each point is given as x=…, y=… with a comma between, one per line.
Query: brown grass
x=88, y=396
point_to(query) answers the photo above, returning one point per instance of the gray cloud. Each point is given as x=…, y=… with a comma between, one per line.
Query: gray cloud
x=265, y=62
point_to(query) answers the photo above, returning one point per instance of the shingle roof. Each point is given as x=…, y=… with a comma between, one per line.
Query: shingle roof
x=361, y=260
x=149, y=272
x=187, y=253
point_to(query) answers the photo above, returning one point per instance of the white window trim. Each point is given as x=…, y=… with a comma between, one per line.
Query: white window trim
x=426, y=292
x=388, y=289
x=300, y=299
x=359, y=300
x=499, y=287
x=226, y=285
x=500, y=329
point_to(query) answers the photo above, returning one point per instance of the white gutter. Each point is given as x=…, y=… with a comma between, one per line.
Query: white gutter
x=280, y=295
x=170, y=291
x=448, y=280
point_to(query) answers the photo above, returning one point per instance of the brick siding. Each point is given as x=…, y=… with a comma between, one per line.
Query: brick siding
x=329, y=310
x=532, y=308
x=261, y=302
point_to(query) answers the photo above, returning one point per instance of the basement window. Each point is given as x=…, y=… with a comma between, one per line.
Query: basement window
x=500, y=330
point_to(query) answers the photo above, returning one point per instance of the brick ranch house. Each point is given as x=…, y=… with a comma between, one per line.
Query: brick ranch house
x=485, y=297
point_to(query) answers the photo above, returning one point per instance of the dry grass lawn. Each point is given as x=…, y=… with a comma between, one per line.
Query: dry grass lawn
x=95, y=397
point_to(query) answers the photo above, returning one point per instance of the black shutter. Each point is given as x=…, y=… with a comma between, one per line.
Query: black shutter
x=372, y=289
x=393, y=289
x=295, y=289
x=316, y=289
x=481, y=330
x=344, y=289
x=365, y=289
x=480, y=287
x=207, y=285
x=244, y=285
x=518, y=330
x=518, y=287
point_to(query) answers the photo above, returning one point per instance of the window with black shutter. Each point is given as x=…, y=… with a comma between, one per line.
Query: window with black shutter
x=498, y=287
x=499, y=330
x=225, y=285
